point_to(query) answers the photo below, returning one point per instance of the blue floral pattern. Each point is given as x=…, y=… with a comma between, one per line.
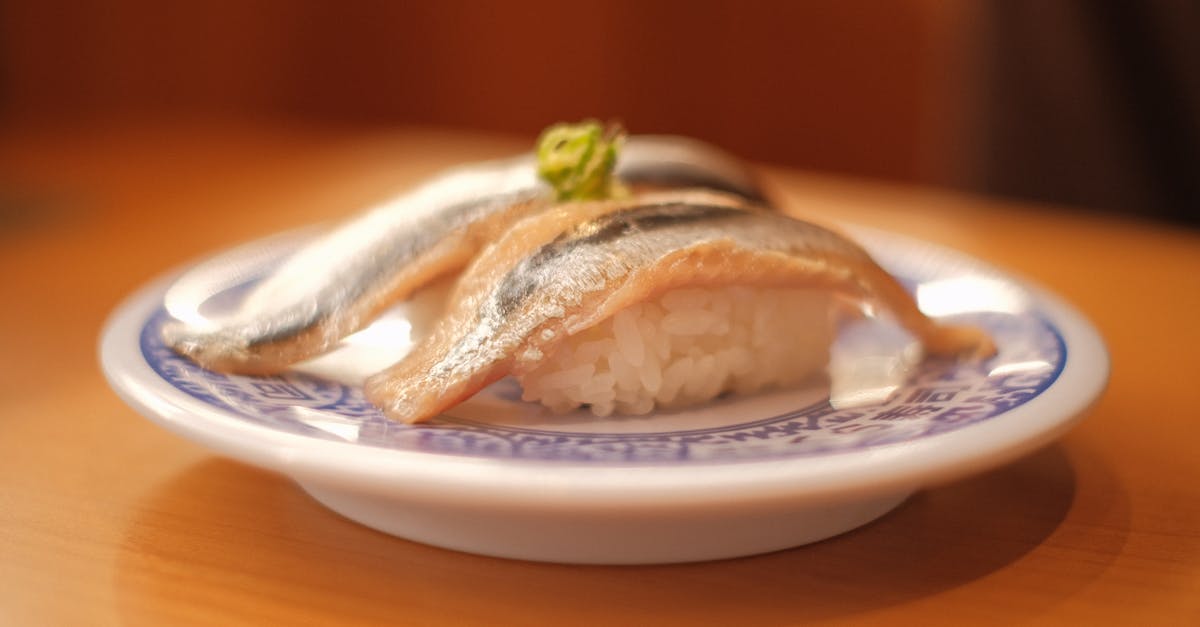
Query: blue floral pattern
x=939, y=397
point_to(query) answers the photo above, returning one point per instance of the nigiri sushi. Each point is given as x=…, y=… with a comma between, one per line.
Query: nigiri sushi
x=658, y=300
x=342, y=281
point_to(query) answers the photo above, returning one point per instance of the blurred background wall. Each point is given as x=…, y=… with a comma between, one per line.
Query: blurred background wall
x=1082, y=103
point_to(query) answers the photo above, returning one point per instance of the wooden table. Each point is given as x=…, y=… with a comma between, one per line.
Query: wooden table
x=108, y=519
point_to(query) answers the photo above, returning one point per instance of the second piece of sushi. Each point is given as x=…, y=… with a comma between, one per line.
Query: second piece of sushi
x=659, y=300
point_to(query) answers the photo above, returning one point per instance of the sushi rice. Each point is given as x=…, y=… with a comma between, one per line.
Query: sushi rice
x=685, y=347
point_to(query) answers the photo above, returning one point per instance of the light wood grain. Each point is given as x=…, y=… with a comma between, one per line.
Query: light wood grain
x=107, y=519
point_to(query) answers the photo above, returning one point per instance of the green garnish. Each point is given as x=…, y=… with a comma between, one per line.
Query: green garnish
x=577, y=160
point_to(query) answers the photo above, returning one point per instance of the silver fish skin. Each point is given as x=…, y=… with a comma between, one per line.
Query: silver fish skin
x=513, y=305
x=339, y=283
x=674, y=162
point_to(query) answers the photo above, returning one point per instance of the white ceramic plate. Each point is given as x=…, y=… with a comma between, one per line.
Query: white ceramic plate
x=737, y=477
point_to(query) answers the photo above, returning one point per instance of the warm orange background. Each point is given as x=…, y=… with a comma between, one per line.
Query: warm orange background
x=850, y=86
x=1073, y=102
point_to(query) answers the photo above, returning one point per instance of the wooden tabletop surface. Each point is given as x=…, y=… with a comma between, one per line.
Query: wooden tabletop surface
x=106, y=519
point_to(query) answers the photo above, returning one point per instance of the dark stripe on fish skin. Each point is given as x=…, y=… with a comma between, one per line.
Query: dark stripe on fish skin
x=648, y=218
x=523, y=280
x=675, y=176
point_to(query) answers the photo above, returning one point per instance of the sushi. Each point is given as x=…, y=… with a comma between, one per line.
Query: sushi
x=659, y=279
x=340, y=282
x=659, y=300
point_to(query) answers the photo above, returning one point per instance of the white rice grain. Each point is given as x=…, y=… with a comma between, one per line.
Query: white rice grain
x=688, y=346
x=629, y=339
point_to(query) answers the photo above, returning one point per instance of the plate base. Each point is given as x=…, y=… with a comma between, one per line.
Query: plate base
x=646, y=534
